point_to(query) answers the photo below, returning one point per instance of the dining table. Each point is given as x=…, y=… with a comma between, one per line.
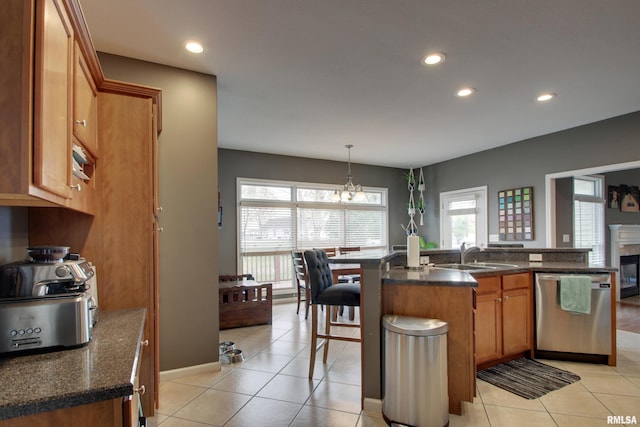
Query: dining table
x=338, y=270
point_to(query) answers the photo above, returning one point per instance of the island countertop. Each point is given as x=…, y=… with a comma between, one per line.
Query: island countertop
x=98, y=371
x=436, y=276
x=428, y=276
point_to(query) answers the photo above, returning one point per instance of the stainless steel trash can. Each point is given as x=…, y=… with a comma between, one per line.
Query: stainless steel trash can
x=415, y=371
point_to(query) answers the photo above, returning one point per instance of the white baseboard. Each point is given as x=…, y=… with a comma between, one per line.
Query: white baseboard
x=189, y=371
x=372, y=406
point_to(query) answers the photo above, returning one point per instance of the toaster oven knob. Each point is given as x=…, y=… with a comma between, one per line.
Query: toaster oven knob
x=62, y=271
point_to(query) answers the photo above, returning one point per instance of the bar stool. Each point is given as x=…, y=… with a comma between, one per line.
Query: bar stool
x=325, y=292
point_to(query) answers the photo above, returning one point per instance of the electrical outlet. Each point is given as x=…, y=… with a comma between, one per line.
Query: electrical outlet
x=535, y=257
x=566, y=238
x=424, y=260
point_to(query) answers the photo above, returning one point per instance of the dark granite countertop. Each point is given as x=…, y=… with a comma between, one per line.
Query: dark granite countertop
x=448, y=277
x=101, y=370
x=374, y=256
x=551, y=267
x=428, y=276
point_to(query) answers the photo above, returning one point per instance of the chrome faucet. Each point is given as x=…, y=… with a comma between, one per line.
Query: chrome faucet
x=464, y=251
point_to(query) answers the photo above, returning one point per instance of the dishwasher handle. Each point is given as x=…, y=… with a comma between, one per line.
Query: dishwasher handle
x=595, y=278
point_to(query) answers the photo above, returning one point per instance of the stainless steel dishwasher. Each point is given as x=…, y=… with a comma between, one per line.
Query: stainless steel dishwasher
x=558, y=330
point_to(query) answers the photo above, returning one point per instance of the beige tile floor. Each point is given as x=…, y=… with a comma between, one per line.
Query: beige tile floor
x=270, y=388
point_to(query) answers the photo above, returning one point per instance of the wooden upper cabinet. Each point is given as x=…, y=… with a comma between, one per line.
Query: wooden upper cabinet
x=85, y=104
x=52, y=96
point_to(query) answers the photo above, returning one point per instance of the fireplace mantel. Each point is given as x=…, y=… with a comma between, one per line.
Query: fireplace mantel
x=622, y=235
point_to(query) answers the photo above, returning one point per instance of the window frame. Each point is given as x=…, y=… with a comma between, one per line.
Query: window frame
x=295, y=205
x=482, y=217
x=598, y=200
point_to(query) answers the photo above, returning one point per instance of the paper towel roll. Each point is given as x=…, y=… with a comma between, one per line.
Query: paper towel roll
x=413, y=251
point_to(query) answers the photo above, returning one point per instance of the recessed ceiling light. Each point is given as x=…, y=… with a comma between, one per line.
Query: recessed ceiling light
x=194, y=47
x=434, y=58
x=466, y=91
x=546, y=96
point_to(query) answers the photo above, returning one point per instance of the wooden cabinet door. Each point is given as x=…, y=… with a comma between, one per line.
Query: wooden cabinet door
x=52, y=96
x=85, y=105
x=127, y=212
x=516, y=321
x=488, y=326
x=488, y=319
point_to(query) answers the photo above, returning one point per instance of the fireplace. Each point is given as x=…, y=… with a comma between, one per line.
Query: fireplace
x=625, y=251
x=629, y=275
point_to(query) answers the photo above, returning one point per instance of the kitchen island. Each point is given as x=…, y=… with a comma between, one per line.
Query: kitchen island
x=89, y=384
x=449, y=295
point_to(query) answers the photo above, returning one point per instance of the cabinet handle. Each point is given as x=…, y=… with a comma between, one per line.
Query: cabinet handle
x=76, y=187
x=145, y=343
x=160, y=208
x=506, y=298
x=140, y=390
x=499, y=300
x=82, y=122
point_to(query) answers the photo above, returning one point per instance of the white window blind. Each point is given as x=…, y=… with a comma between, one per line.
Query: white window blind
x=275, y=217
x=267, y=230
x=321, y=228
x=366, y=228
x=588, y=216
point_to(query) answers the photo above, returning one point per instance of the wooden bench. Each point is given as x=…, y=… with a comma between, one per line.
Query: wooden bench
x=244, y=303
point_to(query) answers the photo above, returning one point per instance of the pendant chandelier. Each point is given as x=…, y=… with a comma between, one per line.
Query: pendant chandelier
x=349, y=190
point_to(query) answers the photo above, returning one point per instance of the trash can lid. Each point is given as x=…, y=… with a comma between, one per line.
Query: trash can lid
x=417, y=326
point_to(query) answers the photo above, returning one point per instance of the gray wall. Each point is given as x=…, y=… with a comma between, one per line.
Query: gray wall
x=245, y=164
x=564, y=206
x=564, y=211
x=14, y=234
x=188, y=195
x=525, y=163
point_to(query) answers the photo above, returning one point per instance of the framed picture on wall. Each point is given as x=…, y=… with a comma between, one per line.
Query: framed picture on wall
x=613, y=199
x=629, y=198
x=515, y=211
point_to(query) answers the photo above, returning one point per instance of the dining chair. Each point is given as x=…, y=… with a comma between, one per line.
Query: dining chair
x=235, y=277
x=302, y=281
x=325, y=292
x=345, y=249
x=329, y=251
x=355, y=278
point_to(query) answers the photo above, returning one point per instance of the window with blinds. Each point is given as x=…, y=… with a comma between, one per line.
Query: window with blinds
x=588, y=216
x=275, y=217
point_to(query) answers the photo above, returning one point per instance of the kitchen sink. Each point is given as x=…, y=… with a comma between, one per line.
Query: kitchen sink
x=494, y=264
x=463, y=267
x=475, y=266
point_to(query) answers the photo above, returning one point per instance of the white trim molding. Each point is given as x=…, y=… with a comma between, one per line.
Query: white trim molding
x=189, y=371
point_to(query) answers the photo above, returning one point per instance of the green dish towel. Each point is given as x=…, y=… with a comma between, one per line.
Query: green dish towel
x=575, y=294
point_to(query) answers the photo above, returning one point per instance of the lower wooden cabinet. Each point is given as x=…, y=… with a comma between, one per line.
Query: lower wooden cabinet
x=107, y=413
x=131, y=412
x=504, y=317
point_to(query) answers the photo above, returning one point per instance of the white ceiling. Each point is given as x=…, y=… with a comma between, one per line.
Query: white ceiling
x=306, y=77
